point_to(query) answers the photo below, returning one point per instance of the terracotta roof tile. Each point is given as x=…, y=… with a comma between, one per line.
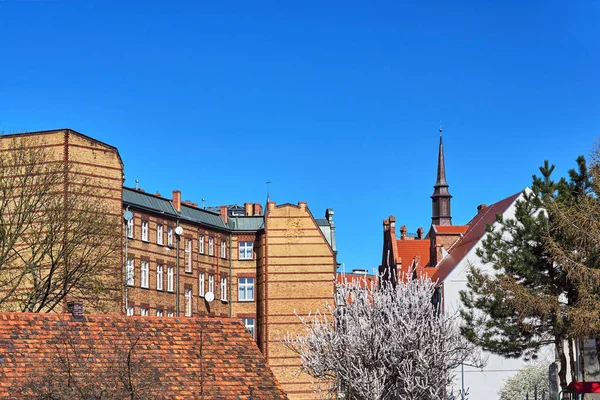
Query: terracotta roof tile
x=231, y=364
x=408, y=250
x=475, y=231
x=450, y=229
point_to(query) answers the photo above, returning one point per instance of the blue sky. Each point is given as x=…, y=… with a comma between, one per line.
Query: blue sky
x=337, y=102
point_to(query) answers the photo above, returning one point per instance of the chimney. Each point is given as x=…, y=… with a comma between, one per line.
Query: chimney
x=157, y=194
x=177, y=200
x=224, y=213
x=75, y=308
x=392, y=220
x=248, y=207
x=257, y=209
x=403, y=232
x=420, y=233
x=386, y=225
x=480, y=207
x=329, y=215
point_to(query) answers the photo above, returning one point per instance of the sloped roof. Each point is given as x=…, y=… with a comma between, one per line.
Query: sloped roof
x=231, y=364
x=161, y=205
x=322, y=221
x=450, y=229
x=363, y=280
x=408, y=250
x=244, y=224
x=476, y=230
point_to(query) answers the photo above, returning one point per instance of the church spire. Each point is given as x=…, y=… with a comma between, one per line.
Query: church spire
x=440, y=199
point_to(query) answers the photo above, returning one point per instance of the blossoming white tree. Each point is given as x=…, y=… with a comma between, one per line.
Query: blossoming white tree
x=384, y=342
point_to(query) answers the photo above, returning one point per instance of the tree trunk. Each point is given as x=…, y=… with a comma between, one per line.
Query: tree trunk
x=562, y=372
x=572, y=361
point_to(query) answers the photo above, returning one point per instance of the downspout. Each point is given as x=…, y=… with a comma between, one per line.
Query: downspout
x=177, y=272
x=230, y=279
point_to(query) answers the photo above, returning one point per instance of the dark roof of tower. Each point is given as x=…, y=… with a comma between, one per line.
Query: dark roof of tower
x=441, y=186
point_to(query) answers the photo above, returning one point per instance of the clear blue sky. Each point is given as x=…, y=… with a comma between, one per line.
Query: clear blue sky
x=336, y=102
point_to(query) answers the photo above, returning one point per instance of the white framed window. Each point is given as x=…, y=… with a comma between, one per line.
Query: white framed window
x=201, y=244
x=201, y=278
x=144, y=312
x=159, y=277
x=144, y=274
x=223, y=288
x=246, y=250
x=245, y=289
x=170, y=314
x=130, y=266
x=223, y=249
x=159, y=312
x=211, y=283
x=170, y=278
x=188, y=302
x=211, y=246
x=188, y=255
x=145, y=231
x=249, y=323
x=169, y=236
x=159, y=234
x=130, y=228
x=130, y=310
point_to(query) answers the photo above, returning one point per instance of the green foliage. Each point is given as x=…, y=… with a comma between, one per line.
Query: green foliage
x=530, y=299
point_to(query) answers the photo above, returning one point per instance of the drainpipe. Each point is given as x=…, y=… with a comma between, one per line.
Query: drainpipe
x=230, y=280
x=177, y=272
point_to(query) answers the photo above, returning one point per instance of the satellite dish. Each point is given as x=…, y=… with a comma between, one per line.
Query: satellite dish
x=179, y=230
x=128, y=215
x=209, y=296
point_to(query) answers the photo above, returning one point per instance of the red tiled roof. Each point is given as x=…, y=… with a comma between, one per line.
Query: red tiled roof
x=475, y=231
x=456, y=229
x=363, y=280
x=231, y=364
x=408, y=250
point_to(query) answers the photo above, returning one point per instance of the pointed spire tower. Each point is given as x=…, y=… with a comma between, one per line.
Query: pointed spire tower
x=440, y=199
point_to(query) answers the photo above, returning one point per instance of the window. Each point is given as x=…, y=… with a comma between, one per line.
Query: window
x=245, y=250
x=144, y=274
x=245, y=289
x=249, y=323
x=188, y=302
x=223, y=288
x=143, y=312
x=223, y=249
x=130, y=271
x=170, y=314
x=201, y=244
x=211, y=246
x=159, y=234
x=159, y=312
x=211, y=283
x=159, y=277
x=169, y=236
x=188, y=255
x=145, y=231
x=129, y=310
x=130, y=228
x=201, y=284
x=170, y=273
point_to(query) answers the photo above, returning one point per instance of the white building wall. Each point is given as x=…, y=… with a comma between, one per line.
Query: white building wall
x=485, y=383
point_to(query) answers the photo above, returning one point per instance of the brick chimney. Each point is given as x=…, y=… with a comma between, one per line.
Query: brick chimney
x=223, y=210
x=480, y=207
x=75, y=308
x=403, y=232
x=248, y=207
x=420, y=232
x=177, y=200
x=392, y=220
x=257, y=209
x=386, y=225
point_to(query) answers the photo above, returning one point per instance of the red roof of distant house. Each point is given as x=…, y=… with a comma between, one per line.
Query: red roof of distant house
x=231, y=364
x=475, y=231
x=450, y=229
x=363, y=280
x=408, y=250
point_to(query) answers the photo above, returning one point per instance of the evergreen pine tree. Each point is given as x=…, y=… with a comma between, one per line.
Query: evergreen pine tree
x=535, y=292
